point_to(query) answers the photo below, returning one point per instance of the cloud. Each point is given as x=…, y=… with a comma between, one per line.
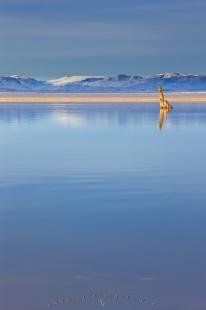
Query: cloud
x=127, y=33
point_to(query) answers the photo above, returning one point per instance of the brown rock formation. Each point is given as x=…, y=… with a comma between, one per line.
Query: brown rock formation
x=164, y=104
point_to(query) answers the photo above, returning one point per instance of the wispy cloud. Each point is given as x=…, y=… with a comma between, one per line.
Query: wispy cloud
x=91, y=32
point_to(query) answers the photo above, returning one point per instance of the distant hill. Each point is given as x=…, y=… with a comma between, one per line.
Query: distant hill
x=95, y=84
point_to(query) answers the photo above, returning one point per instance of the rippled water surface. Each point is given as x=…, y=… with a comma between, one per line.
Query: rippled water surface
x=102, y=206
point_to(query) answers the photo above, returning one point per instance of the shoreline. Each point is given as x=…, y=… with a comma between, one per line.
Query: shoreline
x=173, y=97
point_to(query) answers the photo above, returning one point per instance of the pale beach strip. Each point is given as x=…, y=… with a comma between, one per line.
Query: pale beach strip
x=175, y=97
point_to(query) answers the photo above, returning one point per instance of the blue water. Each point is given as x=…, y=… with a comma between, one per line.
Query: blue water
x=102, y=207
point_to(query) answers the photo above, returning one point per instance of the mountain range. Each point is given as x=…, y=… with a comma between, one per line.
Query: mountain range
x=94, y=84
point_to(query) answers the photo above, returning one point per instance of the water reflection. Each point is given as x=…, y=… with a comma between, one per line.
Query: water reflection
x=162, y=118
x=67, y=118
x=94, y=200
x=77, y=115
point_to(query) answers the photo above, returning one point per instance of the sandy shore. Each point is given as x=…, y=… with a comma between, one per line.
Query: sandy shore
x=99, y=98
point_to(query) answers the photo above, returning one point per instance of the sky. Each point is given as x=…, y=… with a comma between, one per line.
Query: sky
x=52, y=38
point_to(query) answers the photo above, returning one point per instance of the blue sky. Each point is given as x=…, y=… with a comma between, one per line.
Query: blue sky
x=50, y=38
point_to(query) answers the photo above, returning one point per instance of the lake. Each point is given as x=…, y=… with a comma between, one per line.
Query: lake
x=102, y=205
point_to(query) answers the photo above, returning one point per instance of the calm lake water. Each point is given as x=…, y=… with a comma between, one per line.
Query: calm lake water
x=101, y=208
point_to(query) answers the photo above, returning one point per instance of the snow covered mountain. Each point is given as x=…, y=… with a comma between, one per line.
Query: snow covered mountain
x=21, y=83
x=120, y=83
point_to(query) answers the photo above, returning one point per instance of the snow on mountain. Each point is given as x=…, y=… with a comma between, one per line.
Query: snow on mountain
x=119, y=83
x=70, y=79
